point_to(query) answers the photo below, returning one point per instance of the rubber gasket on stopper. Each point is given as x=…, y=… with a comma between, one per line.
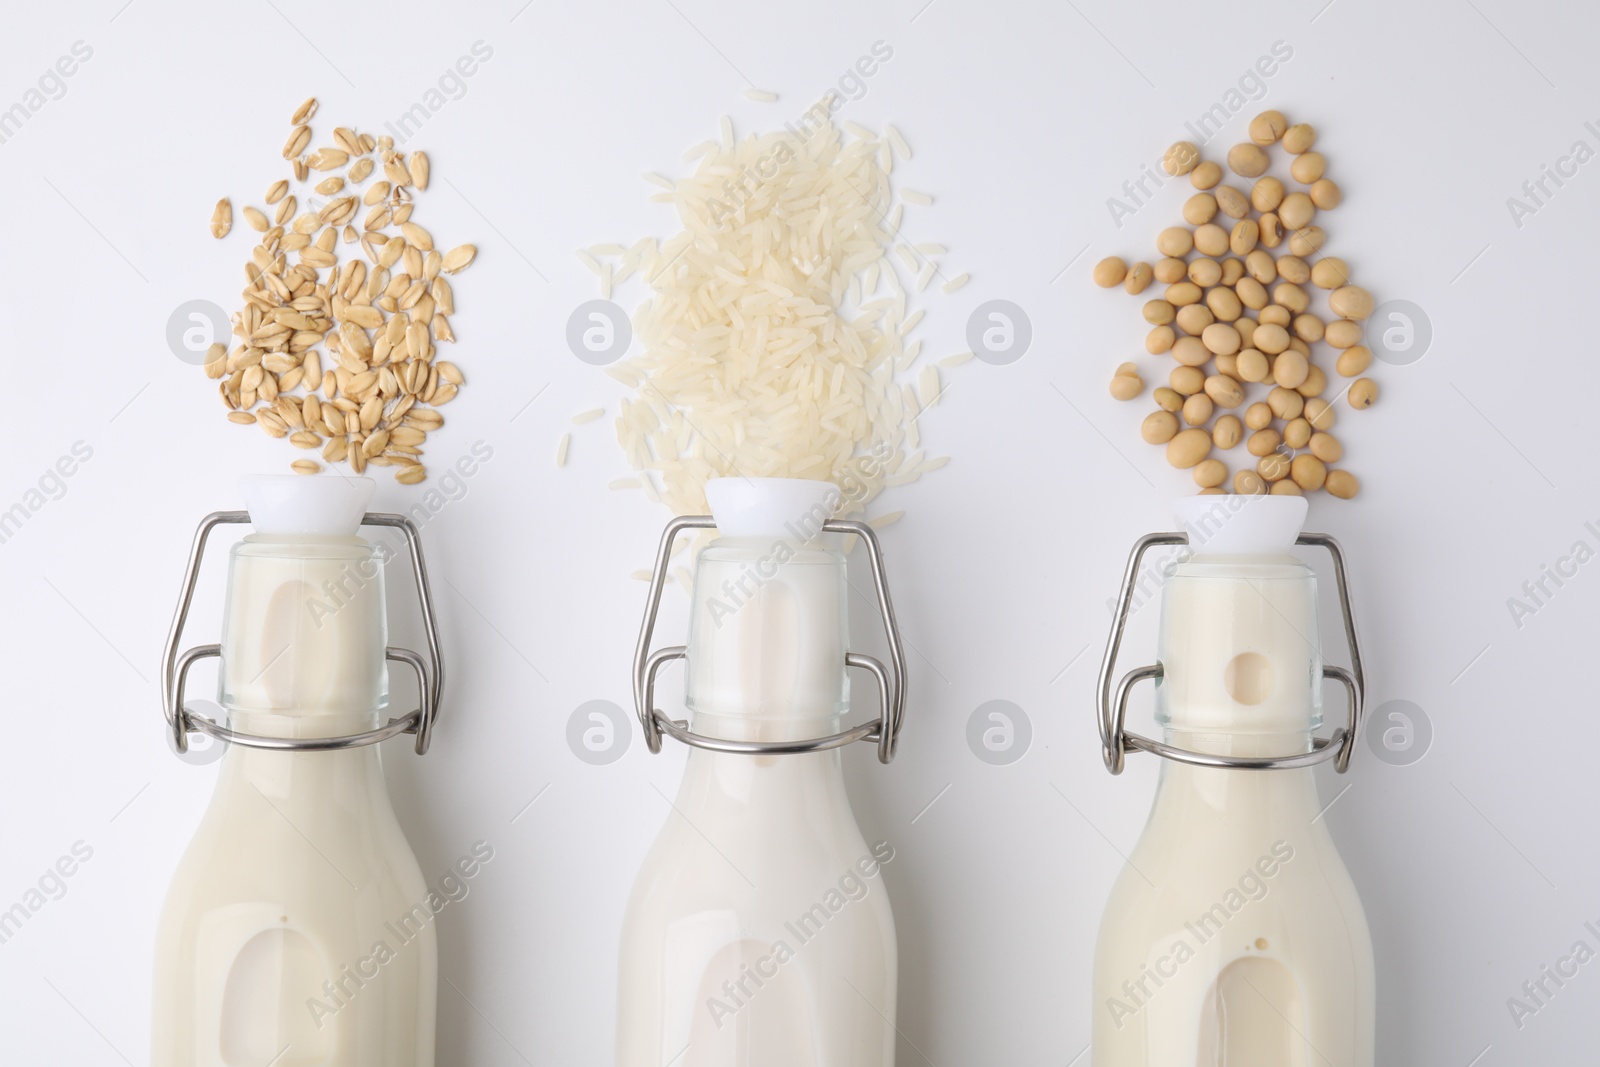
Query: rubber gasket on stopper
x=1235, y=525
x=294, y=505
x=770, y=507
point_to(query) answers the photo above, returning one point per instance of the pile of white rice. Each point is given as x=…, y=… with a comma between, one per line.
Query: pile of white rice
x=775, y=334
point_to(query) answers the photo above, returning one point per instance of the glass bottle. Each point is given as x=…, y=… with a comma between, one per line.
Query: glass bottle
x=298, y=930
x=1234, y=936
x=759, y=932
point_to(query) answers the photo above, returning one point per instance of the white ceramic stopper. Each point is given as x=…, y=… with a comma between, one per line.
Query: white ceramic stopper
x=294, y=505
x=771, y=507
x=1235, y=525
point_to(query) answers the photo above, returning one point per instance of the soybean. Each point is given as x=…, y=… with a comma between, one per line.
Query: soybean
x=1271, y=339
x=1316, y=381
x=1110, y=271
x=1169, y=270
x=1308, y=167
x=1224, y=304
x=1342, y=333
x=1330, y=272
x=1261, y=267
x=1299, y=138
x=1205, y=272
x=1159, y=427
x=1224, y=391
x=1175, y=241
x=1267, y=127
x=1209, y=473
x=1187, y=381
x=1264, y=442
x=1138, y=279
x=1248, y=483
x=1210, y=240
x=1342, y=484
x=1188, y=448
x=1290, y=369
x=1221, y=338
x=1354, y=360
x=1266, y=195
x=1326, y=447
x=1226, y=432
x=1232, y=202
x=1206, y=175
x=1364, y=393
x=1251, y=293
x=1191, y=352
x=1308, y=472
x=1181, y=158
x=1293, y=269
x=1297, y=211
x=1199, y=208
x=1309, y=328
x=1126, y=386
x=1253, y=366
x=1273, y=467
x=1307, y=241
x=1286, y=404
x=1180, y=294
x=1193, y=318
x=1247, y=160
x=1350, y=302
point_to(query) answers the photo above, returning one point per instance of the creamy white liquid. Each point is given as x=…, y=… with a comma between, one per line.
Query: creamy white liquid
x=759, y=932
x=1234, y=936
x=297, y=930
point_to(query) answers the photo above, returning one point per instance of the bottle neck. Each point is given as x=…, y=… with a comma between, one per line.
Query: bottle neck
x=770, y=789
x=1228, y=794
x=323, y=784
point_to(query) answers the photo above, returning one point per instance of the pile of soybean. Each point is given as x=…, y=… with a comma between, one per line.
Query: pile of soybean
x=1237, y=318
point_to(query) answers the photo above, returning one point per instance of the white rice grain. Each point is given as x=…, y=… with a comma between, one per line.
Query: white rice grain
x=955, y=283
x=761, y=96
x=911, y=196
x=902, y=149
x=587, y=416
x=561, y=449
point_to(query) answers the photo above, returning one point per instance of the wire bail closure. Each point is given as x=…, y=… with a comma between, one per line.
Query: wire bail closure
x=885, y=732
x=175, y=667
x=1116, y=740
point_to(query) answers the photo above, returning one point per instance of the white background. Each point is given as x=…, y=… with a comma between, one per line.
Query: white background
x=1477, y=863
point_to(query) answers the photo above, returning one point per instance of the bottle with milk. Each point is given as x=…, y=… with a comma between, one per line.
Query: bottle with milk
x=1234, y=936
x=298, y=930
x=759, y=933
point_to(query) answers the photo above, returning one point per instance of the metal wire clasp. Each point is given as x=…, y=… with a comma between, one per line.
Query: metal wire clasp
x=885, y=732
x=1115, y=739
x=175, y=668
